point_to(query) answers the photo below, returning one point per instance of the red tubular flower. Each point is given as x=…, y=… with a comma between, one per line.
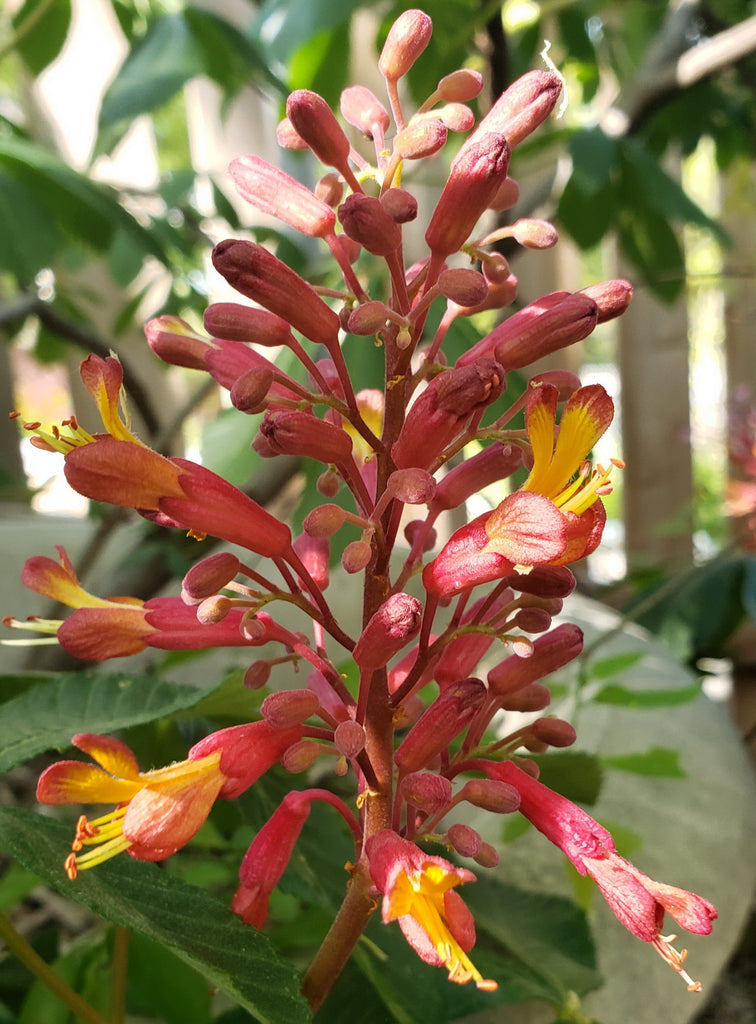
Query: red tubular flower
x=406, y=40
x=267, y=857
x=440, y=723
x=419, y=891
x=395, y=623
x=552, y=651
x=276, y=193
x=247, y=752
x=637, y=900
x=523, y=106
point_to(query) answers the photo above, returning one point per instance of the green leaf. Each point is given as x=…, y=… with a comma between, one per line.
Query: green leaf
x=282, y=26
x=43, y=28
x=604, y=668
x=649, y=242
x=29, y=239
x=658, y=761
x=198, y=928
x=163, y=986
x=576, y=775
x=48, y=715
x=643, y=699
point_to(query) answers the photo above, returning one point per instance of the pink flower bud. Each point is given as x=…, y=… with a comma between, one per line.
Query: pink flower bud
x=285, y=708
x=500, y=293
x=442, y=721
x=174, y=341
x=552, y=322
x=464, y=286
x=564, y=381
x=328, y=484
x=249, y=391
x=534, y=233
x=487, y=856
x=324, y=520
x=316, y=123
x=441, y=411
x=544, y=581
x=369, y=318
x=465, y=840
x=330, y=189
x=288, y=137
x=460, y=86
x=256, y=675
x=554, y=731
x=213, y=609
x=315, y=554
x=412, y=486
x=506, y=196
x=421, y=138
x=523, y=106
x=289, y=432
x=399, y=204
x=235, y=322
x=534, y=697
x=265, y=279
x=366, y=221
x=416, y=526
x=532, y=620
x=349, y=738
x=611, y=297
x=209, y=576
x=274, y=192
x=406, y=40
x=491, y=795
x=300, y=756
x=494, y=463
x=427, y=791
x=551, y=651
x=363, y=110
x=476, y=173
x=356, y=556
x=395, y=623
x=456, y=117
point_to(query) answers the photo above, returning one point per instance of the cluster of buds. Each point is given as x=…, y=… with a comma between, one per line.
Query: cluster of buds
x=420, y=732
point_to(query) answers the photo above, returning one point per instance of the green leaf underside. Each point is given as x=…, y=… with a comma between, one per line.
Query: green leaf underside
x=198, y=928
x=621, y=695
x=658, y=761
x=47, y=715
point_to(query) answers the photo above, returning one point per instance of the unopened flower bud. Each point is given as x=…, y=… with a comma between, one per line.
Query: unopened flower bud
x=465, y=840
x=363, y=110
x=427, y=791
x=564, y=381
x=316, y=123
x=399, y=204
x=249, y=391
x=551, y=651
x=462, y=285
x=475, y=175
x=324, y=520
x=300, y=756
x=442, y=721
x=369, y=318
x=253, y=629
x=491, y=795
x=534, y=233
x=365, y=220
x=523, y=106
x=289, y=707
x=356, y=556
x=349, y=738
x=545, y=581
x=611, y=297
x=395, y=623
x=500, y=294
x=213, y=609
x=441, y=411
x=421, y=138
x=456, y=117
x=406, y=40
x=256, y=675
x=262, y=277
x=290, y=432
x=496, y=462
x=534, y=697
x=330, y=189
x=235, y=322
x=495, y=268
x=412, y=486
x=506, y=196
x=328, y=484
x=274, y=192
x=554, y=731
x=460, y=86
x=531, y=620
x=209, y=576
x=315, y=554
x=487, y=856
x=288, y=137
x=176, y=343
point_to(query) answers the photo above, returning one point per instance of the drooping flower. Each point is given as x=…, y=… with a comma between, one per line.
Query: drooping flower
x=419, y=892
x=638, y=901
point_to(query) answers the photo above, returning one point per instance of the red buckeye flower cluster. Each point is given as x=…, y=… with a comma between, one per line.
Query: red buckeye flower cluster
x=419, y=733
